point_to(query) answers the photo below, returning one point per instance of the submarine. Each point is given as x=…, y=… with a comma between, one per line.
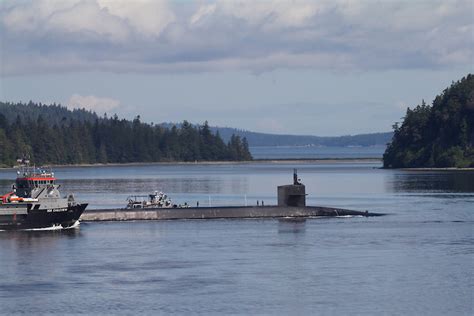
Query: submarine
x=291, y=204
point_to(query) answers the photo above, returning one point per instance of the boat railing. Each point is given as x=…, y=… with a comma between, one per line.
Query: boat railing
x=33, y=171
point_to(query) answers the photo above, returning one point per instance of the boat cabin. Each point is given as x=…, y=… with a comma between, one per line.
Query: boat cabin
x=31, y=178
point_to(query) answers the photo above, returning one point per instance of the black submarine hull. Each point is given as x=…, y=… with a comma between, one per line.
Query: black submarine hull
x=37, y=219
x=224, y=212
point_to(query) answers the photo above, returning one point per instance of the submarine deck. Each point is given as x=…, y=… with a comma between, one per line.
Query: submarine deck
x=224, y=212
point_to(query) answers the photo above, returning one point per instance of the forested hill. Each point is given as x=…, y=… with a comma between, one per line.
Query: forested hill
x=441, y=135
x=264, y=139
x=53, y=113
x=55, y=135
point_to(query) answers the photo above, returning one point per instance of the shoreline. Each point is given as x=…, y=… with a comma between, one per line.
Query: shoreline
x=255, y=161
x=223, y=162
x=436, y=169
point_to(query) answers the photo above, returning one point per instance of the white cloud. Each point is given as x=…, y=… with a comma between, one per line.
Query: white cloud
x=112, y=20
x=272, y=15
x=146, y=17
x=203, y=12
x=92, y=103
x=30, y=17
x=88, y=19
x=162, y=36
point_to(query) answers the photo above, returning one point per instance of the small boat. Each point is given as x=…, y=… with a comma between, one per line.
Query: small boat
x=35, y=202
x=154, y=200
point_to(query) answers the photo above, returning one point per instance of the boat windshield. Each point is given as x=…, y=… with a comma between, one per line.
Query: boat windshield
x=22, y=184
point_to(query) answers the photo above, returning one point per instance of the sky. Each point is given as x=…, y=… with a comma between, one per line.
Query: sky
x=322, y=68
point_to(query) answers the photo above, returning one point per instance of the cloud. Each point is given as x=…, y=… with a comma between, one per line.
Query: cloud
x=148, y=18
x=272, y=15
x=158, y=36
x=203, y=12
x=92, y=103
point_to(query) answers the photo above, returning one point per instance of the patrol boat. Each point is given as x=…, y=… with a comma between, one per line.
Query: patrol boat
x=35, y=202
x=154, y=200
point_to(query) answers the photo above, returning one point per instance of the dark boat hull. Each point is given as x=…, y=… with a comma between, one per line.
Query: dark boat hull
x=222, y=212
x=42, y=218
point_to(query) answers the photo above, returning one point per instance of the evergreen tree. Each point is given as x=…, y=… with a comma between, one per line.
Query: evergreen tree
x=52, y=134
x=441, y=135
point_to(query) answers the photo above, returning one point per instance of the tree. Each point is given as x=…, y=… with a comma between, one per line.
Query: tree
x=53, y=134
x=441, y=135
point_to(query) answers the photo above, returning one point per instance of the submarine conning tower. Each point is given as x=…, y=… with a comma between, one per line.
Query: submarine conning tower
x=292, y=194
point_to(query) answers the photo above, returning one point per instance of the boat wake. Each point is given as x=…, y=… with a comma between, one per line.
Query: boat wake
x=51, y=228
x=55, y=227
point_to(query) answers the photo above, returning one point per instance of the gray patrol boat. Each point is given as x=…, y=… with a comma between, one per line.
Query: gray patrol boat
x=35, y=202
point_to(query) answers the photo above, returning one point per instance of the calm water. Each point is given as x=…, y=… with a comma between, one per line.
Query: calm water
x=417, y=260
x=314, y=152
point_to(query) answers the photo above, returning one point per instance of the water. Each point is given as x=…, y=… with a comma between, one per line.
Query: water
x=315, y=152
x=417, y=260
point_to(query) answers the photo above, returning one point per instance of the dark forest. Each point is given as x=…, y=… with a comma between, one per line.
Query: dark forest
x=52, y=134
x=438, y=135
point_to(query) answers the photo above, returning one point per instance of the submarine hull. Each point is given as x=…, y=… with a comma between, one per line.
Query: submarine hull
x=228, y=212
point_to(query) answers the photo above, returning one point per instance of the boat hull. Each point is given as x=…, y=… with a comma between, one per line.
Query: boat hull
x=42, y=218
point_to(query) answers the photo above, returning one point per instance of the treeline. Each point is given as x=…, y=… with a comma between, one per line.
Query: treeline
x=264, y=139
x=52, y=113
x=48, y=140
x=441, y=135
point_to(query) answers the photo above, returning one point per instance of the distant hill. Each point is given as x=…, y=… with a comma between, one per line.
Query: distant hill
x=441, y=135
x=265, y=139
x=56, y=114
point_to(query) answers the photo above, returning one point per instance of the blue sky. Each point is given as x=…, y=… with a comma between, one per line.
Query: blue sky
x=295, y=67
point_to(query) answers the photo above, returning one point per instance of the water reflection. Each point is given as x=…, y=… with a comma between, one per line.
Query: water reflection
x=144, y=186
x=37, y=239
x=252, y=266
x=422, y=181
x=291, y=225
x=331, y=183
